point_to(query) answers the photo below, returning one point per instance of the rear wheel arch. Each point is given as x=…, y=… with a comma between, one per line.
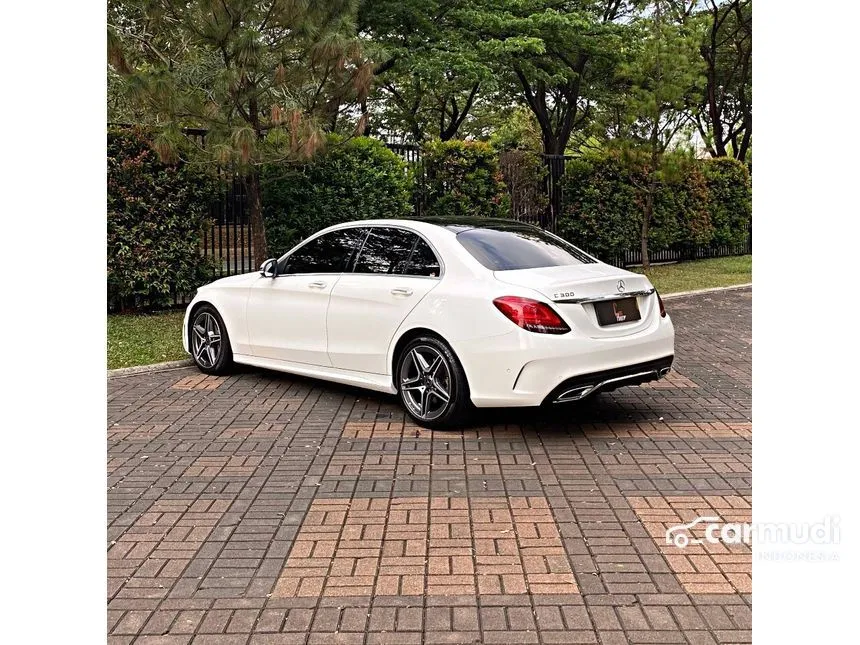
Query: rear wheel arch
x=454, y=383
x=404, y=340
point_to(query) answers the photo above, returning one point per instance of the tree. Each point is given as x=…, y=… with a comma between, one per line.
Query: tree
x=725, y=118
x=262, y=77
x=430, y=73
x=557, y=55
x=661, y=74
x=722, y=111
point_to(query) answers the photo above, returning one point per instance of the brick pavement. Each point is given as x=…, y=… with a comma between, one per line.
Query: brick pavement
x=264, y=508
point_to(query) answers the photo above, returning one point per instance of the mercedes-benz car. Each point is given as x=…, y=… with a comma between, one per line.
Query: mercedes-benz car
x=449, y=314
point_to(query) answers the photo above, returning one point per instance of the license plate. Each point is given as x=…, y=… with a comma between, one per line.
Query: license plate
x=613, y=312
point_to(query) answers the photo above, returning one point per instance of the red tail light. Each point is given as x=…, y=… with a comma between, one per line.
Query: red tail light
x=662, y=306
x=531, y=315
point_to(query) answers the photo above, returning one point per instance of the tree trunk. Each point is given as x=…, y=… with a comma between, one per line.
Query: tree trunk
x=646, y=225
x=259, y=249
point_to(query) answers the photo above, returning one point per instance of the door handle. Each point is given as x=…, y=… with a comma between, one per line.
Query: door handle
x=318, y=284
x=401, y=291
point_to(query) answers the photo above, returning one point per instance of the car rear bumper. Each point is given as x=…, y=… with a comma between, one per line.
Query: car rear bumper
x=522, y=368
x=584, y=385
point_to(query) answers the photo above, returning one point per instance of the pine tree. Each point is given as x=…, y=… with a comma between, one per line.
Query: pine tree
x=263, y=78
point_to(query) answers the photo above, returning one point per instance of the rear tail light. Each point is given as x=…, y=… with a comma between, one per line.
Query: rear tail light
x=662, y=306
x=531, y=315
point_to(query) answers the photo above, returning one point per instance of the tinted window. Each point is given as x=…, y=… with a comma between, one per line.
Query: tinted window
x=328, y=253
x=519, y=249
x=423, y=261
x=386, y=250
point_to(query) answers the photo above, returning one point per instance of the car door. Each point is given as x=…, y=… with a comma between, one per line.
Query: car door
x=394, y=269
x=287, y=314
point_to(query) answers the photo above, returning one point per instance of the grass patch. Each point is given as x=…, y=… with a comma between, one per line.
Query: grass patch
x=700, y=274
x=143, y=339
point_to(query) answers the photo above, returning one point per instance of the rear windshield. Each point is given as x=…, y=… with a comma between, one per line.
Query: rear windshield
x=520, y=249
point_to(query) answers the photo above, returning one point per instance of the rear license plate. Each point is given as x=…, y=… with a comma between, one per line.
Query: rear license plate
x=613, y=312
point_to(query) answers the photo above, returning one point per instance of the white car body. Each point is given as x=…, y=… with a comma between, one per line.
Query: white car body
x=345, y=327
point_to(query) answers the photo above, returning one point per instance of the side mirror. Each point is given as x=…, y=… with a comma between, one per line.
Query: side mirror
x=269, y=268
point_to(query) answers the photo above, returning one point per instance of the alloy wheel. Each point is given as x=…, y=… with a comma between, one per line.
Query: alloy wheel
x=425, y=382
x=206, y=340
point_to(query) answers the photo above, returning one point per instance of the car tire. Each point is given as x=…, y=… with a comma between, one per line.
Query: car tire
x=210, y=355
x=427, y=372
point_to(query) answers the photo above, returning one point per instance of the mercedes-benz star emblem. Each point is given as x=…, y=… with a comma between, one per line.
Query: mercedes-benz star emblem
x=620, y=286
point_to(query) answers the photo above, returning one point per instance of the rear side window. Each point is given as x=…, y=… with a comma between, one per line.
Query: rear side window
x=520, y=249
x=423, y=261
x=394, y=251
x=329, y=253
x=386, y=250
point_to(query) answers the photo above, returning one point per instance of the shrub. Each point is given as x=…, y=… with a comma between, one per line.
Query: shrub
x=155, y=217
x=602, y=211
x=463, y=178
x=681, y=219
x=730, y=202
x=354, y=179
x=700, y=203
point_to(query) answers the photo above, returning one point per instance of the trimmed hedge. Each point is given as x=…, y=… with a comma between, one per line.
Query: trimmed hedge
x=707, y=203
x=463, y=178
x=155, y=217
x=730, y=206
x=355, y=179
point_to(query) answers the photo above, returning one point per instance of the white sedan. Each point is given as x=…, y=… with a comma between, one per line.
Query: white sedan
x=447, y=313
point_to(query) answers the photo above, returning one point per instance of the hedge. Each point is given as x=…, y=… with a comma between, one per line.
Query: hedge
x=462, y=178
x=350, y=180
x=707, y=203
x=730, y=205
x=155, y=217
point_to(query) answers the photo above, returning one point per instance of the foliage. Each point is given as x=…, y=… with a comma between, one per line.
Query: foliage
x=556, y=58
x=353, y=179
x=463, y=178
x=261, y=77
x=430, y=73
x=722, y=107
x=703, y=202
x=730, y=206
x=602, y=209
x=660, y=71
x=518, y=130
x=155, y=215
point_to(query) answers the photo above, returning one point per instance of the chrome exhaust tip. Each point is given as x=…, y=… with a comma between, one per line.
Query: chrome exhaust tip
x=574, y=394
x=664, y=371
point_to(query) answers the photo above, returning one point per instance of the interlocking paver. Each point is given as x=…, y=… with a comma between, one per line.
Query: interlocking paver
x=265, y=508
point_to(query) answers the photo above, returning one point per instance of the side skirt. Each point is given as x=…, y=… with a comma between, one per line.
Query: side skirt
x=375, y=382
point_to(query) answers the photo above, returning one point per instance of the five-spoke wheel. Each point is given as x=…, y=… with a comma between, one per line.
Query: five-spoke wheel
x=208, y=341
x=431, y=382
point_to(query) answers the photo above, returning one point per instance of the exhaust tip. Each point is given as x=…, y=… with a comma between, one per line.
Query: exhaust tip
x=574, y=394
x=664, y=371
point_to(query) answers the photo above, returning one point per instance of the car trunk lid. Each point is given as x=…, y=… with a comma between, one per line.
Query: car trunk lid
x=576, y=291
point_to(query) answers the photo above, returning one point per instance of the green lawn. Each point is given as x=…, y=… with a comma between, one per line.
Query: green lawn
x=700, y=274
x=143, y=339
x=155, y=338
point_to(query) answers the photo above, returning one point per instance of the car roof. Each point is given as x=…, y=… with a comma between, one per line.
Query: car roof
x=463, y=223
x=456, y=223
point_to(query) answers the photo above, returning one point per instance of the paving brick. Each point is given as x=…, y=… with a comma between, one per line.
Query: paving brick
x=262, y=508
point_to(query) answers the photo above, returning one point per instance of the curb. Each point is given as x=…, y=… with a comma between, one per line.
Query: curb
x=679, y=294
x=156, y=367
x=175, y=365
